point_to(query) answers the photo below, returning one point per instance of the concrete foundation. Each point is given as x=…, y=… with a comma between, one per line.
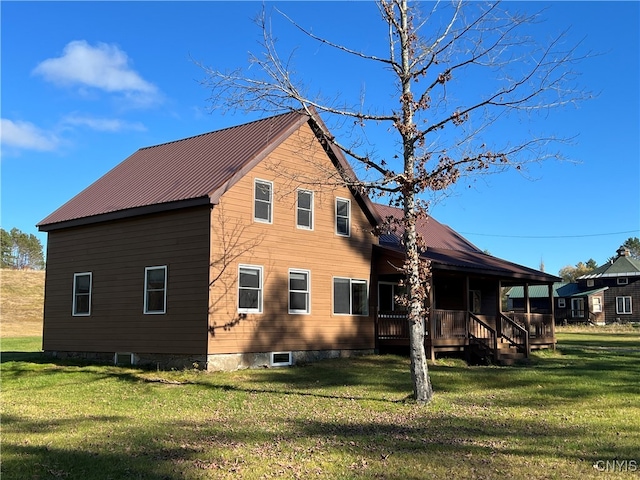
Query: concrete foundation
x=212, y=363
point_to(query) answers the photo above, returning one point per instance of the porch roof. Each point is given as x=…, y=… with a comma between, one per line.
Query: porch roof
x=477, y=263
x=559, y=290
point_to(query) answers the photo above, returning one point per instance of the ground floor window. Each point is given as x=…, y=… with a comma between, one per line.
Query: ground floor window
x=350, y=296
x=82, y=294
x=299, y=291
x=577, y=307
x=155, y=290
x=249, y=289
x=388, y=296
x=623, y=305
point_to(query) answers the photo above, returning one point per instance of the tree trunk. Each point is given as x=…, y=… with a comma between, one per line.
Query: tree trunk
x=422, y=391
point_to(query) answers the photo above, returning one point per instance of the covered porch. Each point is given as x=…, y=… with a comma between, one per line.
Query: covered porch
x=466, y=307
x=459, y=331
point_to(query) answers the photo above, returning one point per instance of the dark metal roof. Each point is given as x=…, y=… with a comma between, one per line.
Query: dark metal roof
x=448, y=250
x=196, y=169
x=622, y=266
x=560, y=289
x=434, y=233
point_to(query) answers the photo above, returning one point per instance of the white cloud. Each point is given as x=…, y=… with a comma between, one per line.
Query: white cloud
x=103, y=124
x=26, y=136
x=103, y=66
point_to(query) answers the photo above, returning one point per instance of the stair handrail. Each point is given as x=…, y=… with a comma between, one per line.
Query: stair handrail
x=517, y=330
x=492, y=345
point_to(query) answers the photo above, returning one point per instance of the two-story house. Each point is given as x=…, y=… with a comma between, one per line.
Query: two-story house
x=243, y=247
x=619, y=282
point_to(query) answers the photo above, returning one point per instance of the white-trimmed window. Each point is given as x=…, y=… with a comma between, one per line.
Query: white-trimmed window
x=562, y=303
x=304, y=210
x=155, y=290
x=350, y=296
x=249, y=289
x=590, y=282
x=299, y=291
x=623, y=305
x=82, y=294
x=343, y=217
x=596, y=304
x=263, y=201
x=622, y=281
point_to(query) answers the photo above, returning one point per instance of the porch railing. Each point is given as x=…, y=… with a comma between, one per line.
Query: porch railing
x=457, y=327
x=449, y=323
x=393, y=326
x=539, y=325
x=514, y=333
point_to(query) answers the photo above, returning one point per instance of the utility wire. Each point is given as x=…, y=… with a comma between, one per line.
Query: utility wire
x=549, y=236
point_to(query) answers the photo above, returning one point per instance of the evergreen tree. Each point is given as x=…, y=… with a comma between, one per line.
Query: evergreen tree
x=21, y=250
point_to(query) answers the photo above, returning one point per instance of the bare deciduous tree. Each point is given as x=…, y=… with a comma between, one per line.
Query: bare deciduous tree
x=458, y=70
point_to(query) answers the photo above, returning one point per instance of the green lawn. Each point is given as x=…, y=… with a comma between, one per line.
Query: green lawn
x=573, y=413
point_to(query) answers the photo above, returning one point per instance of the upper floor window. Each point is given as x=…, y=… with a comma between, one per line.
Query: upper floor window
x=249, y=289
x=623, y=305
x=590, y=283
x=299, y=291
x=155, y=289
x=350, y=296
x=343, y=217
x=263, y=201
x=622, y=281
x=82, y=294
x=304, y=214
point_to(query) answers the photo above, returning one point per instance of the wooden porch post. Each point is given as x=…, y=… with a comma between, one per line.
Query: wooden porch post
x=430, y=322
x=466, y=296
x=527, y=308
x=499, y=310
x=553, y=314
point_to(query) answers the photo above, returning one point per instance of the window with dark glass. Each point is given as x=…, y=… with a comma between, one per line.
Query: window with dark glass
x=155, y=289
x=263, y=201
x=82, y=294
x=623, y=305
x=304, y=213
x=350, y=296
x=343, y=216
x=249, y=289
x=299, y=291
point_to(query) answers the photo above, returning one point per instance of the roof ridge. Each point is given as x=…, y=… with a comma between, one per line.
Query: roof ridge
x=231, y=127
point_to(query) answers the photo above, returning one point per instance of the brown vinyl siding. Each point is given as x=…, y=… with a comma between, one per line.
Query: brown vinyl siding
x=280, y=246
x=632, y=289
x=117, y=253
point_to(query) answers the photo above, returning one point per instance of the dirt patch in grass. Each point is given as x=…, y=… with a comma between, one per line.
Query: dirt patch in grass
x=21, y=303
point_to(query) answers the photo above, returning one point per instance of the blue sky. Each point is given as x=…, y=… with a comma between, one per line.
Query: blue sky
x=86, y=84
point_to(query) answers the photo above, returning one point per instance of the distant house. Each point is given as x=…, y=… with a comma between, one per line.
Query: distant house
x=232, y=249
x=573, y=304
x=605, y=295
x=620, y=281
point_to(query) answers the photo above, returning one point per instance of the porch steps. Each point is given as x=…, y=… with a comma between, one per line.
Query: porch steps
x=507, y=354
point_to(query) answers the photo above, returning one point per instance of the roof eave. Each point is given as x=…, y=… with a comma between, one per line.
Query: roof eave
x=609, y=275
x=126, y=213
x=504, y=274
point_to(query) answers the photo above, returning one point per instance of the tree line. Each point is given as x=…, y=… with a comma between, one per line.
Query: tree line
x=21, y=251
x=571, y=272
